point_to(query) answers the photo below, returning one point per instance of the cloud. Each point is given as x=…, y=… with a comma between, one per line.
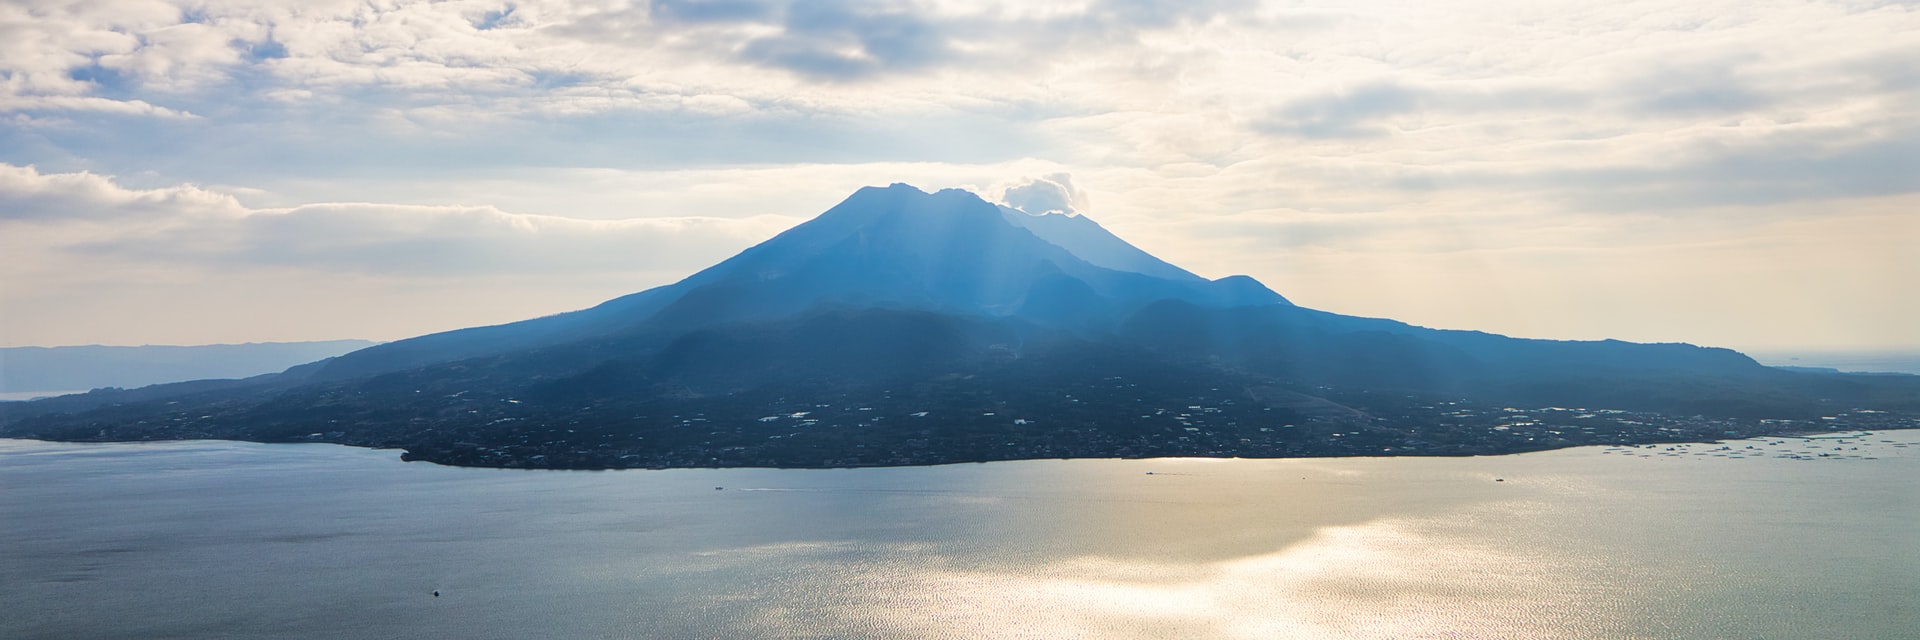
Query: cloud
x=1713, y=87
x=196, y=262
x=1362, y=127
x=1772, y=168
x=26, y=195
x=1352, y=113
x=451, y=51
x=88, y=104
x=454, y=241
x=189, y=227
x=1368, y=110
x=1052, y=193
x=822, y=41
x=838, y=43
x=1785, y=171
x=701, y=11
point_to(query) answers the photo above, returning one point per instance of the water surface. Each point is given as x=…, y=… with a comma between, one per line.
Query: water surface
x=1850, y=361
x=237, y=540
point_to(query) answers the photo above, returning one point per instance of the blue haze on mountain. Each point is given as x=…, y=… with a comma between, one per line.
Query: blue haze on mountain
x=953, y=254
x=1089, y=241
x=989, y=275
x=910, y=322
x=895, y=247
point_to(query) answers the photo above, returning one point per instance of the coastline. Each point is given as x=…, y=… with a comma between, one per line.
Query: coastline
x=1662, y=446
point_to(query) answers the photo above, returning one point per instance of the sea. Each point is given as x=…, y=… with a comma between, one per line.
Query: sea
x=1789, y=538
x=1847, y=361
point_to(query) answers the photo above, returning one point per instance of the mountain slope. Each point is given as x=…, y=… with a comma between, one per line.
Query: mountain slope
x=904, y=327
x=892, y=247
x=1091, y=242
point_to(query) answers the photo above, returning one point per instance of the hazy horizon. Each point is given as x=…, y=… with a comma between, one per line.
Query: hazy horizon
x=1769, y=355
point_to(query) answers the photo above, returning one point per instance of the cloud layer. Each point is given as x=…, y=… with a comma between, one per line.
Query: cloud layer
x=75, y=233
x=1373, y=157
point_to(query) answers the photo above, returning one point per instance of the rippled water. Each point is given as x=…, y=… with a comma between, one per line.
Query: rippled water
x=216, y=539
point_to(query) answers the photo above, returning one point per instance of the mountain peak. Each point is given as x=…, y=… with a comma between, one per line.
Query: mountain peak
x=949, y=250
x=1077, y=234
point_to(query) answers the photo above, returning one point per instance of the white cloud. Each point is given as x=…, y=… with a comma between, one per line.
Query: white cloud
x=28, y=195
x=413, y=240
x=1052, y=193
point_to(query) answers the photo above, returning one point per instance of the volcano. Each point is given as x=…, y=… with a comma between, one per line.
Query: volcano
x=905, y=327
x=892, y=248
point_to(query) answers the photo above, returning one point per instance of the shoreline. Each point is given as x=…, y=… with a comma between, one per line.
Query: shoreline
x=408, y=457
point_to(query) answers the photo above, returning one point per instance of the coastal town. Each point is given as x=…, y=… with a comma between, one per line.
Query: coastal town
x=888, y=429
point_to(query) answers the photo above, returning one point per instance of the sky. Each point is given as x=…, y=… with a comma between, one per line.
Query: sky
x=1740, y=173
